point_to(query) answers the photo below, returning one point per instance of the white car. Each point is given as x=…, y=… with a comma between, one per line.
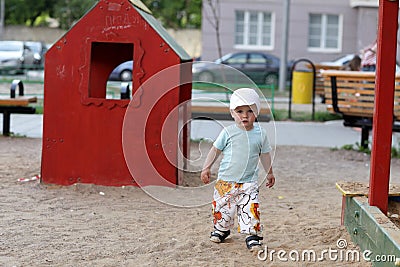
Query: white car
x=339, y=61
x=15, y=56
x=342, y=61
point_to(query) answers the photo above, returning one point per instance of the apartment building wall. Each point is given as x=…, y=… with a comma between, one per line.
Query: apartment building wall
x=359, y=26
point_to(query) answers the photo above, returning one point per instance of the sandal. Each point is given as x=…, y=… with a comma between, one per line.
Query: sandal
x=218, y=236
x=253, y=242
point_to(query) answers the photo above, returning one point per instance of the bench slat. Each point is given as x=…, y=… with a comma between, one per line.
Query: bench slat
x=365, y=105
x=18, y=101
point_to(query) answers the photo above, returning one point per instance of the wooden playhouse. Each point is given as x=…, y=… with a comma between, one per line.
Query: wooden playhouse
x=82, y=127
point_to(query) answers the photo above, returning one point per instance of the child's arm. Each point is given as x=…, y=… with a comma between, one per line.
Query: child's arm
x=211, y=157
x=266, y=161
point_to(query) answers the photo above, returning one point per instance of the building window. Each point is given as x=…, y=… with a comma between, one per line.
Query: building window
x=325, y=32
x=254, y=29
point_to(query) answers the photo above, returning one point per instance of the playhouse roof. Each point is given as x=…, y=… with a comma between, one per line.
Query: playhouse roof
x=156, y=25
x=139, y=4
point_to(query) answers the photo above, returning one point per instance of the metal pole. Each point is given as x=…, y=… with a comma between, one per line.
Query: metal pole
x=285, y=31
x=2, y=10
x=383, y=108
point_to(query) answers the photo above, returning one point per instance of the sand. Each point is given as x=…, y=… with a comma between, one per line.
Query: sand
x=89, y=225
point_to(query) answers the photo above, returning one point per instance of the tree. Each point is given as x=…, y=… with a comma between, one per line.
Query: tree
x=67, y=12
x=176, y=14
x=214, y=20
x=26, y=12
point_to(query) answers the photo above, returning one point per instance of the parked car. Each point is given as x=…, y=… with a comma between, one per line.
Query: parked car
x=15, y=56
x=123, y=72
x=260, y=67
x=39, y=49
x=339, y=62
x=344, y=60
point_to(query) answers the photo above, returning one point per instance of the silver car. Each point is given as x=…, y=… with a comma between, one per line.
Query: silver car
x=15, y=56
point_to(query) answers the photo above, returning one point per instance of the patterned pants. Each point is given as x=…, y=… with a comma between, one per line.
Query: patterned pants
x=241, y=198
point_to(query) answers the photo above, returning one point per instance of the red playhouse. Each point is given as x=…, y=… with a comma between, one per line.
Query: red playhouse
x=82, y=125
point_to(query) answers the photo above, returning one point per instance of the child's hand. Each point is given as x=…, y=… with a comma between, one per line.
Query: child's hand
x=270, y=180
x=205, y=176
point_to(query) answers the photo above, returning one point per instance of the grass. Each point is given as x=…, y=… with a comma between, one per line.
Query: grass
x=267, y=90
x=39, y=109
x=279, y=115
x=319, y=116
x=395, y=151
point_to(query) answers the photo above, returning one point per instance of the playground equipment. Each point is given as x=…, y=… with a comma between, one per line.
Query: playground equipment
x=82, y=129
x=367, y=222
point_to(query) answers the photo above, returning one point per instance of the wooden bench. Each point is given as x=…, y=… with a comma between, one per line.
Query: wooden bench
x=319, y=80
x=352, y=94
x=15, y=104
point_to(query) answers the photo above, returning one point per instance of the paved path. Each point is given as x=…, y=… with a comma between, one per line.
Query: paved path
x=328, y=134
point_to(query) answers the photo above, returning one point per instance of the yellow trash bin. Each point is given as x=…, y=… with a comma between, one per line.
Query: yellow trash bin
x=302, y=87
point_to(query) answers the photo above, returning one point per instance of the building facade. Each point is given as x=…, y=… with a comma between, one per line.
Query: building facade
x=318, y=30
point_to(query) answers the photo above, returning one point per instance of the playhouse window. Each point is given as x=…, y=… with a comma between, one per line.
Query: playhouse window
x=111, y=67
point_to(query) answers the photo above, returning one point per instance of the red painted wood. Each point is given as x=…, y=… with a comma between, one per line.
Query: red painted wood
x=82, y=131
x=383, y=112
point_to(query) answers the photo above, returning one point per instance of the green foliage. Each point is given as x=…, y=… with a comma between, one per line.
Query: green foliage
x=39, y=109
x=41, y=21
x=326, y=116
x=356, y=147
x=176, y=14
x=27, y=12
x=70, y=11
x=172, y=13
x=360, y=148
x=320, y=116
x=395, y=151
x=348, y=147
x=21, y=12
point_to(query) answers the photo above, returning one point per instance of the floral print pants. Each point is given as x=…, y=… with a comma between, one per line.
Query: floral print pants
x=240, y=198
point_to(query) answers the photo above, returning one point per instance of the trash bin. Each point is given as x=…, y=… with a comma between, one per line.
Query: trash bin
x=302, y=87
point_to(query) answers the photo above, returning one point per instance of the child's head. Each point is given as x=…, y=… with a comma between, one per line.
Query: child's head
x=245, y=97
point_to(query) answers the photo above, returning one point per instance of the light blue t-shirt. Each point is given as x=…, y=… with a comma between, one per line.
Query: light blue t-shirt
x=241, y=150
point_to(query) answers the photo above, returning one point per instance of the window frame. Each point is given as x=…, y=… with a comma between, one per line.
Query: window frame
x=260, y=25
x=323, y=35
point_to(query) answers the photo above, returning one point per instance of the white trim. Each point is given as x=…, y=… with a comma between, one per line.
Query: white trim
x=246, y=27
x=324, y=19
x=260, y=17
x=254, y=47
x=273, y=26
x=340, y=33
x=323, y=50
x=364, y=3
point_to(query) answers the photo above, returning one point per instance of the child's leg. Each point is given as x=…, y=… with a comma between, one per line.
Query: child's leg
x=247, y=210
x=223, y=209
x=249, y=216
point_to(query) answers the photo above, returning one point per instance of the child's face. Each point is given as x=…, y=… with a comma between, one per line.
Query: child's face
x=245, y=116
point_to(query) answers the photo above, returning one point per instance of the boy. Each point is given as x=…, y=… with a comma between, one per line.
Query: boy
x=243, y=145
